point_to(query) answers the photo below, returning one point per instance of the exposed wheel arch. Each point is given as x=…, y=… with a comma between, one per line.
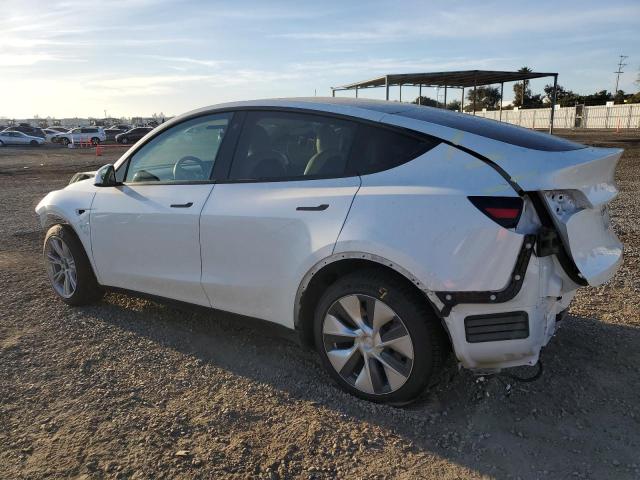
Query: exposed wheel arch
x=328, y=270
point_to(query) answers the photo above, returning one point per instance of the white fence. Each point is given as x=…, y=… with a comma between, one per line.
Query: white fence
x=601, y=116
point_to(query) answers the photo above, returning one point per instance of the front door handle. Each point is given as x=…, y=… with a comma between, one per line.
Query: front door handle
x=181, y=205
x=319, y=208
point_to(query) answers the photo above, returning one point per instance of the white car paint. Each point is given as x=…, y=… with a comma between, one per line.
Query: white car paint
x=243, y=247
x=140, y=242
x=12, y=137
x=257, y=245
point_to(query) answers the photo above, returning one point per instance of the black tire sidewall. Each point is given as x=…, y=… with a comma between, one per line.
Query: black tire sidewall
x=413, y=315
x=87, y=288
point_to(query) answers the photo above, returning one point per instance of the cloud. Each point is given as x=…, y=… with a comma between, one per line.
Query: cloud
x=26, y=59
x=381, y=66
x=472, y=22
x=149, y=85
x=194, y=61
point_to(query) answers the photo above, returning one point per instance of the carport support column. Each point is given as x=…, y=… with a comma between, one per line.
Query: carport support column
x=474, y=95
x=400, y=93
x=445, y=96
x=501, y=96
x=386, y=86
x=462, y=102
x=333, y=92
x=356, y=92
x=553, y=102
x=420, y=95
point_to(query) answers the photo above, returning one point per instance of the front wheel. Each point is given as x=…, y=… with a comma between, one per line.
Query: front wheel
x=95, y=141
x=377, y=338
x=65, y=141
x=68, y=267
x=34, y=143
x=124, y=140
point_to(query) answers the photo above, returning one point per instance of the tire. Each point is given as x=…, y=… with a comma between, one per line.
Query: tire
x=33, y=143
x=65, y=141
x=95, y=141
x=124, y=140
x=1, y=143
x=413, y=348
x=65, y=261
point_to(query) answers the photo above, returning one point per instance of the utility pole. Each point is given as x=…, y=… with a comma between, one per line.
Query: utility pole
x=619, y=72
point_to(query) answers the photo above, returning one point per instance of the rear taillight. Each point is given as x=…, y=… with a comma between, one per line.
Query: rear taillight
x=505, y=211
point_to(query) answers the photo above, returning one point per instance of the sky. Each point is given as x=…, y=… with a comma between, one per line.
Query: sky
x=68, y=58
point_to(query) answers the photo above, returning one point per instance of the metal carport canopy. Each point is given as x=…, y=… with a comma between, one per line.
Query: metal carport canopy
x=456, y=79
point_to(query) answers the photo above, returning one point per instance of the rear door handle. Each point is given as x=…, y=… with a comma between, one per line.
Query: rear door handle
x=181, y=205
x=319, y=208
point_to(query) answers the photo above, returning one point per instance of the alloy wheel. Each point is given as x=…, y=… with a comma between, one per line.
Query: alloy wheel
x=61, y=267
x=368, y=344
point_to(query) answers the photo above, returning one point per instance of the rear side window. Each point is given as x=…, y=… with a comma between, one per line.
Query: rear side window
x=288, y=146
x=377, y=149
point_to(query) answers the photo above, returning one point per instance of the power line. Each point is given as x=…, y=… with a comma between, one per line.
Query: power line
x=621, y=64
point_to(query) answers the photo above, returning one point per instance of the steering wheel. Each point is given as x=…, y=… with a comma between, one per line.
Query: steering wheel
x=182, y=173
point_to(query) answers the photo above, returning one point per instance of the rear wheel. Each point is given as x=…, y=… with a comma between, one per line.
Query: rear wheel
x=124, y=140
x=34, y=143
x=68, y=267
x=377, y=338
x=95, y=141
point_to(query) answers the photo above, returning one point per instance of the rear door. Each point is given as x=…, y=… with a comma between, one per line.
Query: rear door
x=279, y=211
x=145, y=233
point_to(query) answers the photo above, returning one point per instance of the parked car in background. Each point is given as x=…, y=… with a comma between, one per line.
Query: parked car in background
x=50, y=133
x=115, y=130
x=29, y=130
x=13, y=137
x=59, y=129
x=94, y=135
x=133, y=135
x=387, y=234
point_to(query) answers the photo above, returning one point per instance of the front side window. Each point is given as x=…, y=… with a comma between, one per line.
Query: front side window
x=284, y=145
x=184, y=152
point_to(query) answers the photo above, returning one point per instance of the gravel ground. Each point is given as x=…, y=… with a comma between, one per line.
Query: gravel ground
x=130, y=388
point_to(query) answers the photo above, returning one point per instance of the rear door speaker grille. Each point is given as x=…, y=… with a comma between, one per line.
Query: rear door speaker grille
x=496, y=327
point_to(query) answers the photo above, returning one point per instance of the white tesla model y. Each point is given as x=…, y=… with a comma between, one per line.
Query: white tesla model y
x=387, y=234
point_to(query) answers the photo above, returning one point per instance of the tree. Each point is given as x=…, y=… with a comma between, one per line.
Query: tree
x=521, y=91
x=429, y=102
x=485, y=97
x=564, y=97
x=454, y=105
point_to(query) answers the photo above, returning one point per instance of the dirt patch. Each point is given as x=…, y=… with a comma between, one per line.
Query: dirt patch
x=133, y=389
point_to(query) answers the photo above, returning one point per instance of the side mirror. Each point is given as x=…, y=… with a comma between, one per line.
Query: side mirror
x=105, y=177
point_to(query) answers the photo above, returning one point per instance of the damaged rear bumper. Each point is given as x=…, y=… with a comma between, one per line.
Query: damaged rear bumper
x=512, y=333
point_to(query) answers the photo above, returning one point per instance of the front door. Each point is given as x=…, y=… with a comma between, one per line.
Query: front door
x=145, y=233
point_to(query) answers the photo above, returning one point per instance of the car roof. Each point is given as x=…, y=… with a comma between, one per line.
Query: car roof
x=376, y=109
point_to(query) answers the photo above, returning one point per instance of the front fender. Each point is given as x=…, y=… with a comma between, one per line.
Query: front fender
x=70, y=206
